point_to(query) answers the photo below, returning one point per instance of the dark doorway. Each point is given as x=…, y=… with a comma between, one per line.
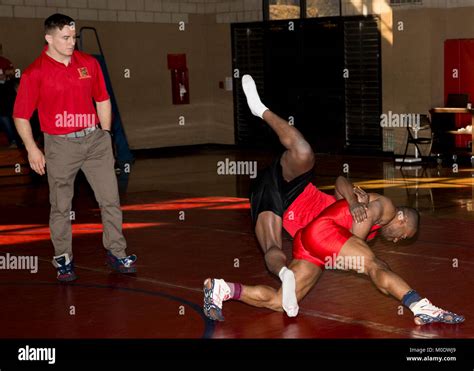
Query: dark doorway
x=322, y=88
x=299, y=67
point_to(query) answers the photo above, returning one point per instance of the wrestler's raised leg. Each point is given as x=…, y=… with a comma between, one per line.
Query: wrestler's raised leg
x=298, y=157
x=296, y=160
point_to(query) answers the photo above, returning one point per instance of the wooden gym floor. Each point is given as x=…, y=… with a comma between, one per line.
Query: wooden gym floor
x=185, y=222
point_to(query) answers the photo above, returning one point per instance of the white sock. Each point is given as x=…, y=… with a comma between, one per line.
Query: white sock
x=289, y=301
x=253, y=100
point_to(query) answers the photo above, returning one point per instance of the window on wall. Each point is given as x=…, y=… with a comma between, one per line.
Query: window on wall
x=283, y=9
x=294, y=9
x=322, y=8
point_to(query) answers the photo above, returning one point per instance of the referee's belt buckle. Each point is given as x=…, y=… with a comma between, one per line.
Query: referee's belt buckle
x=80, y=134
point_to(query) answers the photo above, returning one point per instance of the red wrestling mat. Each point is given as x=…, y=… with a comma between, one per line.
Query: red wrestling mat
x=163, y=300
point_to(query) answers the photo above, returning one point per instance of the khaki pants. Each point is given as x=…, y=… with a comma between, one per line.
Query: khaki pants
x=93, y=155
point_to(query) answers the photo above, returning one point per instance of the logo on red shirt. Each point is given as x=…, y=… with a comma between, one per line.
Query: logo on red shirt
x=84, y=73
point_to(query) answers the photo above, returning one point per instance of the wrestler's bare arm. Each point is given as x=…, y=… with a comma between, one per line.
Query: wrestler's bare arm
x=374, y=213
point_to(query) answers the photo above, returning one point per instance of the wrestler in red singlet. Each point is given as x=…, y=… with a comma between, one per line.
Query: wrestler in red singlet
x=306, y=207
x=325, y=235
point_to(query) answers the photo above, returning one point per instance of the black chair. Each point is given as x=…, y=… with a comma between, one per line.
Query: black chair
x=425, y=125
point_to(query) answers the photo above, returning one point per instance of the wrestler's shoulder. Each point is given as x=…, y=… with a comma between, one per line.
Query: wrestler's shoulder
x=380, y=206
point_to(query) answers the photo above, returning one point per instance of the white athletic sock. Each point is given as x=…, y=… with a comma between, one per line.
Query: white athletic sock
x=289, y=301
x=253, y=100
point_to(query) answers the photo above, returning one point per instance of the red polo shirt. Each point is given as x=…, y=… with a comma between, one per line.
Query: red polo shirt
x=62, y=94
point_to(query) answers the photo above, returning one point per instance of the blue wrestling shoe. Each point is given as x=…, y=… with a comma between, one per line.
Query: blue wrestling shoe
x=65, y=268
x=425, y=313
x=122, y=265
x=213, y=298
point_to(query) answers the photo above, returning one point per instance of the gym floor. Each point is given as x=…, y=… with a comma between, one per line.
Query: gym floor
x=185, y=222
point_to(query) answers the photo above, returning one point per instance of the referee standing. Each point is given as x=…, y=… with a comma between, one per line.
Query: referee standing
x=62, y=84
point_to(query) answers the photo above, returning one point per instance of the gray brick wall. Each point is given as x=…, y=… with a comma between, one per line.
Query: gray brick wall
x=156, y=11
x=168, y=11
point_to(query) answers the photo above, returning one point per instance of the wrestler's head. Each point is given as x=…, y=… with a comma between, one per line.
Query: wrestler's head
x=403, y=226
x=60, y=34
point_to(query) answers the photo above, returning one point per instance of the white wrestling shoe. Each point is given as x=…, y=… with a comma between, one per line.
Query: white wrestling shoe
x=425, y=312
x=214, y=298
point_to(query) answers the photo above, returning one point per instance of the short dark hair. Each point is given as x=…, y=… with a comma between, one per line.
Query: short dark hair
x=413, y=216
x=57, y=20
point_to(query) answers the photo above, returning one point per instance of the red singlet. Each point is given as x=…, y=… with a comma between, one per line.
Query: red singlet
x=324, y=236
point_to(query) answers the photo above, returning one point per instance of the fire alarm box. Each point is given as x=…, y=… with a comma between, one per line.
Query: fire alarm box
x=179, y=78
